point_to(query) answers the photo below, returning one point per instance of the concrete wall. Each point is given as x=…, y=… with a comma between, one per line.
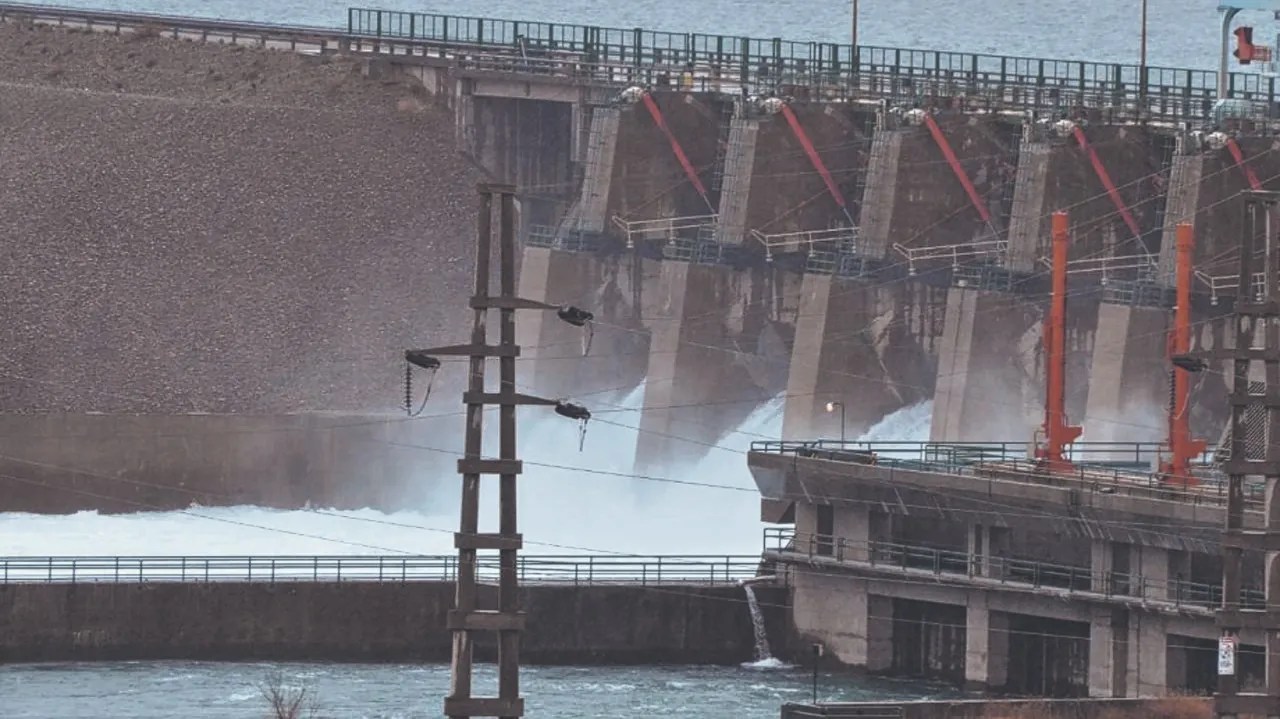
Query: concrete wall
x=787, y=194
x=368, y=621
x=931, y=207
x=527, y=143
x=61, y=463
x=648, y=181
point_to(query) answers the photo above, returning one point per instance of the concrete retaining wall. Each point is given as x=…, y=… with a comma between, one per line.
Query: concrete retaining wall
x=371, y=621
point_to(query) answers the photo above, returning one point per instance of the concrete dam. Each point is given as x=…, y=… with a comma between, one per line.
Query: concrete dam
x=746, y=219
x=853, y=230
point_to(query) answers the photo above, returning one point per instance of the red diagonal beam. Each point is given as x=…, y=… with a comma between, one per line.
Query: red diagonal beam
x=952, y=160
x=661, y=121
x=1238, y=156
x=1105, y=177
x=814, y=159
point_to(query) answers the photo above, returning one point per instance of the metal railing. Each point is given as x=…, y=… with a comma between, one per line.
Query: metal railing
x=1008, y=570
x=664, y=228
x=836, y=239
x=719, y=63
x=986, y=250
x=1099, y=467
x=551, y=569
x=760, y=63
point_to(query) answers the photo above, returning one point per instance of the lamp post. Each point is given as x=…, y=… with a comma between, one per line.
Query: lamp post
x=831, y=407
x=1142, y=50
x=854, y=33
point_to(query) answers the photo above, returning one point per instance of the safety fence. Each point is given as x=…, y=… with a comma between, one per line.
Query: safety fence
x=689, y=60
x=1007, y=570
x=720, y=63
x=1126, y=468
x=533, y=569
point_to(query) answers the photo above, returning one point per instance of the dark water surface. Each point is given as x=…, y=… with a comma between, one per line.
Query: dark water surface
x=209, y=690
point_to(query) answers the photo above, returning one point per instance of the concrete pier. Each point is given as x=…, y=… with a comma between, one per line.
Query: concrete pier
x=1128, y=387
x=715, y=355
x=856, y=343
x=616, y=346
x=986, y=382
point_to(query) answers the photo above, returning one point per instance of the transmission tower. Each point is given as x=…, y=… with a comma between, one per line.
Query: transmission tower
x=1254, y=454
x=506, y=619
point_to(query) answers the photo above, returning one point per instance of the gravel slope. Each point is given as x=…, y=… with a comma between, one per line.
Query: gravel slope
x=204, y=228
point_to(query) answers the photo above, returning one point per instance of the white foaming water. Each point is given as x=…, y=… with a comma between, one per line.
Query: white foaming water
x=763, y=653
x=584, y=502
x=909, y=424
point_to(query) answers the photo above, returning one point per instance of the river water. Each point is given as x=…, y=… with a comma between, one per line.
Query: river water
x=1182, y=33
x=164, y=690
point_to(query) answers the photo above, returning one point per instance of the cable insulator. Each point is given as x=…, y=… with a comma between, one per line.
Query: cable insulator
x=408, y=388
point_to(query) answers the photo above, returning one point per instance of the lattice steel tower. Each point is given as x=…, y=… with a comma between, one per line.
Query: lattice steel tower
x=1254, y=453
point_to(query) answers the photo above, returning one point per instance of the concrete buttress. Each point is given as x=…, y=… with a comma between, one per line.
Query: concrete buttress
x=854, y=343
x=715, y=355
x=1028, y=219
x=880, y=192
x=597, y=173
x=986, y=383
x=1128, y=381
x=1181, y=206
x=552, y=350
x=735, y=193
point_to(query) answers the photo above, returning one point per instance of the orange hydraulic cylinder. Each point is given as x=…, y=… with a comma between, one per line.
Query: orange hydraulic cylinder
x=1183, y=448
x=1057, y=433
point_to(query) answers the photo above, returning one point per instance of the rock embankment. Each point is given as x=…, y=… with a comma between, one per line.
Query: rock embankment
x=209, y=228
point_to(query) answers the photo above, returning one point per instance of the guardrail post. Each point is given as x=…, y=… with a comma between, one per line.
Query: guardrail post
x=250, y=569
x=380, y=568
x=273, y=571
x=339, y=572
x=51, y=569
x=73, y=571
x=659, y=580
x=591, y=569
x=184, y=569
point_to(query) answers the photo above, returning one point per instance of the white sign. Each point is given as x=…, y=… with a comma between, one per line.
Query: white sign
x=1226, y=656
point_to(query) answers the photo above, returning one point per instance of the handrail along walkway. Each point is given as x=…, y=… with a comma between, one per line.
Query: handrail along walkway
x=1012, y=571
x=695, y=61
x=547, y=569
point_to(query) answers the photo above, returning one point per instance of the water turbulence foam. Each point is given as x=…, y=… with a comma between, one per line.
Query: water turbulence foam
x=571, y=501
x=764, y=655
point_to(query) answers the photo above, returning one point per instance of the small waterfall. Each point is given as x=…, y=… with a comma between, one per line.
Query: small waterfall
x=764, y=656
x=757, y=622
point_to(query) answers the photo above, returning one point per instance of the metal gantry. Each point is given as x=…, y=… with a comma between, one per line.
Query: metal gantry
x=506, y=619
x=1257, y=344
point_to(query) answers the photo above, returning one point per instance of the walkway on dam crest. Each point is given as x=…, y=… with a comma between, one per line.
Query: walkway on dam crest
x=586, y=55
